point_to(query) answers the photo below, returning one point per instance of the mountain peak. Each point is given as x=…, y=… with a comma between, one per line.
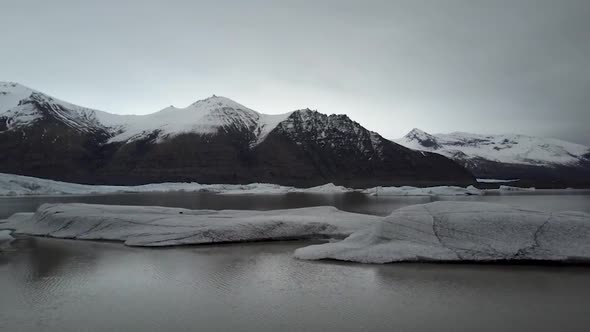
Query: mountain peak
x=11, y=93
x=417, y=131
x=419, y=138
x=219, y=100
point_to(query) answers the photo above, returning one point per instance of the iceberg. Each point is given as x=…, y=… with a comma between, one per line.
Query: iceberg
x=162, y=226
x=464, y=231
x=18, y=185
x=511, y=188
x=429, y=191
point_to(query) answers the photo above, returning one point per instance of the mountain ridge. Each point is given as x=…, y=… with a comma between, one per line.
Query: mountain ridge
x=508, y=155
x=214, y=140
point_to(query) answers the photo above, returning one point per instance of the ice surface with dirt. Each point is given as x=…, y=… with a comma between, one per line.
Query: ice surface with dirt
x=162, y=226
x=464, y=231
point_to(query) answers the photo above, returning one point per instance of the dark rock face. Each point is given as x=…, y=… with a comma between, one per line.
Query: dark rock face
x=319, y=149
x=307, y=149
x=51, y=148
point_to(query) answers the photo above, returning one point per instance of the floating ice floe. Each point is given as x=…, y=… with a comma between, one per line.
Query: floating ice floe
x=265, y=188
x=510, y=188
x=161, y=226
x=18, y=185
x=496, y=180
x=464, y=231
x=430, y=191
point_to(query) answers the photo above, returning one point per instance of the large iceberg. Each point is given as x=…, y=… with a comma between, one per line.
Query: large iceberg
x=464, y=231
x=161, y=226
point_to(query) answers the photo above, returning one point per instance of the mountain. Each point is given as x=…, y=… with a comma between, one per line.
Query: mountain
x=215, y=140
x=534, y=160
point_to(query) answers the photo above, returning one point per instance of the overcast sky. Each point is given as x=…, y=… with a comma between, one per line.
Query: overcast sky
x=441, y=65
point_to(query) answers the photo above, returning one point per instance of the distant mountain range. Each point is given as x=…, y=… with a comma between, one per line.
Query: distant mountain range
x=214, y=140
x=533, y=160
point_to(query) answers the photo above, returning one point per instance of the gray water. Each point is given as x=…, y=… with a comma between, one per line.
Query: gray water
x=551, y=200
x=65, y=285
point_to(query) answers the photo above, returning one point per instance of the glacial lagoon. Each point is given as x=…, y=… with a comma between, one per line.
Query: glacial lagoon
x=71, y=285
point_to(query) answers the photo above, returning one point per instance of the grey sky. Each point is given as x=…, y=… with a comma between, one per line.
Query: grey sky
x=519, y=66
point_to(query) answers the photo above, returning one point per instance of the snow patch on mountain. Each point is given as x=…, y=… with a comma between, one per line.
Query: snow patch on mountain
x=511, y=149
x=19, y=106
x=207, y=116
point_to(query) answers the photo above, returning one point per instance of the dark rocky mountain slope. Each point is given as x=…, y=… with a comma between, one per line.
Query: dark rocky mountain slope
x=215, y=140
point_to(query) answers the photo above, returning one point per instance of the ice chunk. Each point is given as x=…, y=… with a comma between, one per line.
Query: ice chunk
x=430, y=191
x=464, y=231
x=161, y=226
x=511, y=188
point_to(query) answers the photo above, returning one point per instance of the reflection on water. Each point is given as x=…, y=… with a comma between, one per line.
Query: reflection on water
x=353, y=202
x=61, y=285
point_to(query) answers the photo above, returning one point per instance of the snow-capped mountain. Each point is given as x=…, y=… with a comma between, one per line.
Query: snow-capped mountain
x=505, y=156
x=21, y=106
x=215, y=140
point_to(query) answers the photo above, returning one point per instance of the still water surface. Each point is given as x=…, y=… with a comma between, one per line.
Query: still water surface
x=551, y=200
x=64, y=285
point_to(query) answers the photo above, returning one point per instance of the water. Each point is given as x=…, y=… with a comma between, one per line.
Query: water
x=354, y=202
x=65, y=285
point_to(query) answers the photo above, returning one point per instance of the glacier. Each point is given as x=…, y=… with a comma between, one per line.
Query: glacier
x=464, y=231
x=509, y=149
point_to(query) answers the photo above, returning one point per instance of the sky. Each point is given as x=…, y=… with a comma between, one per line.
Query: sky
x=493, y=66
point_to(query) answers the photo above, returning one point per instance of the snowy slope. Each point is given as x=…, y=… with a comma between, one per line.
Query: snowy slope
x=205, y=116
x=22, y=106
x=19, y=106
x=510, y=149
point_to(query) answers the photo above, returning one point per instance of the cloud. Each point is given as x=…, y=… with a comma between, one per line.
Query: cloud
x=481, y=66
